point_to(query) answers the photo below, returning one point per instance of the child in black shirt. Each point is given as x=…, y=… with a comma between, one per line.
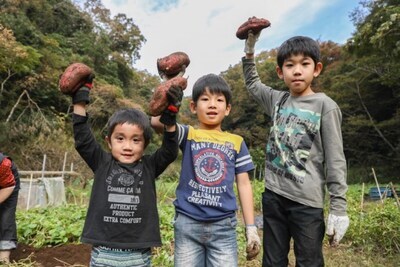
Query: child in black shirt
x=122, y=221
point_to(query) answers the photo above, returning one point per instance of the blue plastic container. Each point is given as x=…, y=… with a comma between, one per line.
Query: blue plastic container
x=374, y=192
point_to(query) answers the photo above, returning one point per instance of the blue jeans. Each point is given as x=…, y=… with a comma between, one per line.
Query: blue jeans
x=285, y=219
x=205, y=244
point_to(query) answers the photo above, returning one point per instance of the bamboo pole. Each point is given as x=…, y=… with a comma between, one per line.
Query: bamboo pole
x=361, y=205
x=29, y=192
x=47, y=173
x=377, y=185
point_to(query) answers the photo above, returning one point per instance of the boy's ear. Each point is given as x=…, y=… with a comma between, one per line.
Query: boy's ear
x=279, y=72
x=192, y=106
x=228, y=110
x=108, y=141
x=318, y=69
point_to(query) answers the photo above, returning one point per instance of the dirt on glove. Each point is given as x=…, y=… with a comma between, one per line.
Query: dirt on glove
x=252, y=252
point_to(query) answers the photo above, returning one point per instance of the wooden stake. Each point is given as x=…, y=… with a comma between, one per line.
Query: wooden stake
x=362, y=198
x=377, y=184
x=395, y=195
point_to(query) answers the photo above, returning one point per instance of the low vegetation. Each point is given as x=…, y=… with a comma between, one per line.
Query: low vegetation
x=373, y=238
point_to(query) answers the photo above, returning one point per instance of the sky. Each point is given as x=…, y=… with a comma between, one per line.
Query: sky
x=205, y=29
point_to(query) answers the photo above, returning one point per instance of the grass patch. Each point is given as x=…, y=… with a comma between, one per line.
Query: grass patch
x=372, y=239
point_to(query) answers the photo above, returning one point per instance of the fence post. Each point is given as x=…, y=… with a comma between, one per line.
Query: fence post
x=63, y=168
x=29, y=192
x=43, y=165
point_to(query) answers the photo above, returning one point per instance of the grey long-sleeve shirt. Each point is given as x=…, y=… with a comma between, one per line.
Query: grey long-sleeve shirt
x=304, y=149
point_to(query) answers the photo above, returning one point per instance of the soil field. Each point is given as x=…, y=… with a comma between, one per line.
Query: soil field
x=63, y=255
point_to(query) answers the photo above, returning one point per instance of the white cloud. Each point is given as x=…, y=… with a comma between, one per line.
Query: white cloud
x=205, y=29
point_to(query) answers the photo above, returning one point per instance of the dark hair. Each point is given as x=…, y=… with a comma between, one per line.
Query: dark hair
x=131, y=116
x=298, y=45
x=215, y=84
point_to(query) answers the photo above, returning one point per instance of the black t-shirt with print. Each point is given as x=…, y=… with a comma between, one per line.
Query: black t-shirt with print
x=122, y=211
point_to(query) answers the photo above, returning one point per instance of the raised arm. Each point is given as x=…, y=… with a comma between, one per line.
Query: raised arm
x=167, y=120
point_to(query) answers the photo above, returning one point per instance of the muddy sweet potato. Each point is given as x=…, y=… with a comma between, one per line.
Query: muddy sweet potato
x=73, y=77
x=159, y=101
x=173, y=64
x=254, y=24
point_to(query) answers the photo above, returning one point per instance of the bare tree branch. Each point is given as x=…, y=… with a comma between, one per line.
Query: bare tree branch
x=5, y=80
x=371, y=119
x=25, y=92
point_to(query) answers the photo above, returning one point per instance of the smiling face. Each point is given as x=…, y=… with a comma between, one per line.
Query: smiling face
x=298, y=72
x=210, y=109
x=126, y=143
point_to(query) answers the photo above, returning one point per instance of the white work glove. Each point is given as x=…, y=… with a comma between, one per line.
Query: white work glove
x=165, y=78
x=253, y=242
x=336, y=228
x=251, y=42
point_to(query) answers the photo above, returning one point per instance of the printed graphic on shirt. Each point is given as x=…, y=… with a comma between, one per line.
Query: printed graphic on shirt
x=290, y=142
x=210, y=166
x=205, y=195
x=123, y=196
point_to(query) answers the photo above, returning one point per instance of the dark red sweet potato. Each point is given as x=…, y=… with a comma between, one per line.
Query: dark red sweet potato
x=172, y=64
x=159, y=101
x=254, y=24
x=73, y=77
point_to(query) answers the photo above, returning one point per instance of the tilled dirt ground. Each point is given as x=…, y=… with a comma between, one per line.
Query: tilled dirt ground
x=63, y=255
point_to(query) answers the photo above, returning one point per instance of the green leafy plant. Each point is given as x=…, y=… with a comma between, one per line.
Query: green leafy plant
x=50, y=226
x=375, y=228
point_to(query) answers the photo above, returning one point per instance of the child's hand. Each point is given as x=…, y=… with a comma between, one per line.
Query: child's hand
x=174, y=96
x=159, y=100
x=251, y=42
x=253, y=242
x=82, y=94
x=336, y=228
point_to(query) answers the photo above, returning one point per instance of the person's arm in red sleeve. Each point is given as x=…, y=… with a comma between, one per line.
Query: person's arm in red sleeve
x=7, y=180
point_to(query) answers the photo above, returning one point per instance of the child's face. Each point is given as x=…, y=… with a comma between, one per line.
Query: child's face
x=298, y=71
x=211, y=109
x=126, y=143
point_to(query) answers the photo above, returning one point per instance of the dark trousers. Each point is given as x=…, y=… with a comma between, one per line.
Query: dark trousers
x=285, y=219
x=8, y=229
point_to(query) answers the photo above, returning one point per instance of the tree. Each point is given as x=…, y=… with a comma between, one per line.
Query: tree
x=126, y=38
x=364, y=83
x=14, y=57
